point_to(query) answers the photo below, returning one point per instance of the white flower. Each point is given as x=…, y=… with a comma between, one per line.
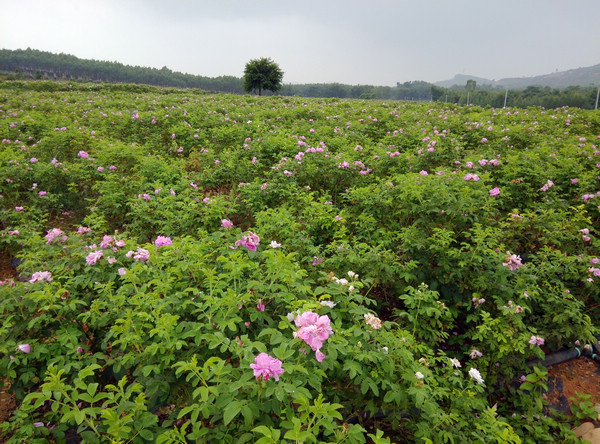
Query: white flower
x=352, y=274
x=342, y=281
x=385, y=350
x=419, y=375
x=274, y=244
x=455, y=362
x=329, y=304
x=474, y=373
x=293, y=315
x=351, y=288
x=373, y=321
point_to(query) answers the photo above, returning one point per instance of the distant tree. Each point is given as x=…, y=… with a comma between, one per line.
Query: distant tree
x=470, y=87
x=437, y=93
x=261, y=74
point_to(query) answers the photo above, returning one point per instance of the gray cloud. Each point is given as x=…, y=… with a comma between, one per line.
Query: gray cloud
x=349, y=41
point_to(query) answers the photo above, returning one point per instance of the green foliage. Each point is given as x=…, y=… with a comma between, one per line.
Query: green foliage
x=376, y=215
x=583, y=408
x=262, y=74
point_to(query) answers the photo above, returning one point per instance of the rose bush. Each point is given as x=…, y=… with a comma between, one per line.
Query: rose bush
x=221, y=268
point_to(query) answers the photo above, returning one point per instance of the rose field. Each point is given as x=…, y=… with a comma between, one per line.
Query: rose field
x=196, y=267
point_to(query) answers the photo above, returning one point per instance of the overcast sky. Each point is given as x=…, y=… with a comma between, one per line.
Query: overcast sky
x=376, y=42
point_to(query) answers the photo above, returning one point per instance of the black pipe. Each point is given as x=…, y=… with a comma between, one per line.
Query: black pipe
x=558, y=357
x=596, y=345
x=588, y=350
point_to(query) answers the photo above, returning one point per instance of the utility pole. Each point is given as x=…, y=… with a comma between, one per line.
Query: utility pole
x=505, y=97
x=597, y=96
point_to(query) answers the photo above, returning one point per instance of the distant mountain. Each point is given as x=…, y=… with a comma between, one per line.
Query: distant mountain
x=588, y=76
x=461, y=80
x=573, y=77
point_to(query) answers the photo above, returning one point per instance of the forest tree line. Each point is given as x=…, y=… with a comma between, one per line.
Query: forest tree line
x=43, y=65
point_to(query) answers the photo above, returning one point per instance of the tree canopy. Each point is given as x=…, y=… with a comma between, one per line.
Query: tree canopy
x=262, y=74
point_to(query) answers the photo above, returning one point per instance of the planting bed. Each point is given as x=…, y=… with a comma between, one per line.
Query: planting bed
x=219, y=268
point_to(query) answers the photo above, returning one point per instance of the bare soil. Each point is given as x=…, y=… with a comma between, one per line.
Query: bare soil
x=565, y=380
x=6, y=271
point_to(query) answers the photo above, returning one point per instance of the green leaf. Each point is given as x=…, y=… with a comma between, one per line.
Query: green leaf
x=79, y=416
x=262, y=429
x=146, y=434
x=89, y=436
x=390, y=396
x=231, y=411
x=265, y=440
x=91, y=388
x=88, y=371
x=184, y=411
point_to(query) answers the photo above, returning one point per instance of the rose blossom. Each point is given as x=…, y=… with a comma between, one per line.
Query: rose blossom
x=266, y=366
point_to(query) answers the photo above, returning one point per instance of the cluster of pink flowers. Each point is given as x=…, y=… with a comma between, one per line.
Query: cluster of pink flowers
x=109, y=241
x=250, y=241
x=477, y=302
x=94, y=256
x=82, y=230
x=40, y=276
x=55, y=233
x=162, y=241
x=594, y=271
x=470, y=176
x=83, y=154
x=140, y=255
x=476, y=353
x=314, y=330
x=585, y=233
x=536, y=340
x=317, y=260
x=106, y=241
x=513, y=261
x=495, y=191
x=511, y=306
x=548, y=185
x=587, y=197
x=226, y=223
x=266, y=366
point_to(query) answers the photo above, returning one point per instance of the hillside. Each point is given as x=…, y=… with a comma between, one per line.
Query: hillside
x=31, y=64
x=573, y=77
x=585, y=77
x=46, y=65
